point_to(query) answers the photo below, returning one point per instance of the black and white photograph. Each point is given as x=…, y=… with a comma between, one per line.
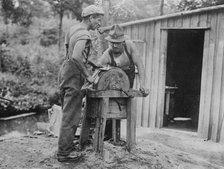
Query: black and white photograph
x=111, y=84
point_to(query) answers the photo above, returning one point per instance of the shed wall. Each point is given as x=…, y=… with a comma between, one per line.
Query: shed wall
x=153, y=35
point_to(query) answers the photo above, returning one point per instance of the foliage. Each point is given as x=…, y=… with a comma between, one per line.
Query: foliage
x=194, y=4
x=21, y=12
x=49, y=37
x=122, y=13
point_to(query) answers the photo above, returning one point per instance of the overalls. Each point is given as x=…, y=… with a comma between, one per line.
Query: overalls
x=70, y=80
x=130, y=71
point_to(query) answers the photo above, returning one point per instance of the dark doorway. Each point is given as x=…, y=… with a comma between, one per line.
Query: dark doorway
x=184, y=66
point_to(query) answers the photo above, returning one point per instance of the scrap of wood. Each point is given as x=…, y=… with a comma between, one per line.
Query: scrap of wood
x=117, y=93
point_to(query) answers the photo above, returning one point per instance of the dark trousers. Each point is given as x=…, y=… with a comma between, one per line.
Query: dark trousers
x=71, y=97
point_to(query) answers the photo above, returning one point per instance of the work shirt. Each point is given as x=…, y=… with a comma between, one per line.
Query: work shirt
x=76, y=33
x=122, y=61
x=70, y=73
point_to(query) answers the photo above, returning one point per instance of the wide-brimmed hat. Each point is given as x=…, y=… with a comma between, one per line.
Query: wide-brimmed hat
x=116, y=34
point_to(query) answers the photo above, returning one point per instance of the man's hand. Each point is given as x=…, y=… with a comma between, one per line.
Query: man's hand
x=90, y=79
x=142, y=89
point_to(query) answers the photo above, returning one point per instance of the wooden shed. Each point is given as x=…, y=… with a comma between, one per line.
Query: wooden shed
x=185, y=52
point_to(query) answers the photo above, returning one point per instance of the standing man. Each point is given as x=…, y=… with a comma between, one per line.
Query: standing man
x=122, y=53
x=72, y=75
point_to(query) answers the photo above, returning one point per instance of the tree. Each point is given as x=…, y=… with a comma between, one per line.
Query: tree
x=21, y=11
x=61, y=6
x=7, y=8
x=193, y=4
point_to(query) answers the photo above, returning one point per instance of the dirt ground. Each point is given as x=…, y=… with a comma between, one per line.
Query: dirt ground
x=155, y=149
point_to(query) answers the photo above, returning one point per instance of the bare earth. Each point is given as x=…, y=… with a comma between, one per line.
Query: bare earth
x=156, y=149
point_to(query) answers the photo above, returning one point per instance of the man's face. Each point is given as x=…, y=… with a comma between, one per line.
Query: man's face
x=117, y=47
x=95, y=21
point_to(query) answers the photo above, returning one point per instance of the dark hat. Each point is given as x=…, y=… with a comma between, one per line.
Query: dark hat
x=116, y=34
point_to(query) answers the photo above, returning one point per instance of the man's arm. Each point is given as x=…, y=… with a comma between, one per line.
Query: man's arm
x=78, y=56
x=104, y=59
x=138, y=62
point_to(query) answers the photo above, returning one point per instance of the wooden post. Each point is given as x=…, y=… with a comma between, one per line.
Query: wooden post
x=131, y=125
x=84, y=135
x=101, y=124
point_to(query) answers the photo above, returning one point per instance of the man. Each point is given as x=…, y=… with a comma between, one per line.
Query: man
x=122, y=53
x=72, y=75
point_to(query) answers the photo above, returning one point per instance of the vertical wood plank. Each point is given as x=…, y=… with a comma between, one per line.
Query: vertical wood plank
x=134, y=36
x=148, y=72
x=162, y=78
x=203, y=19
x=104, y=110
x=131, y=125
x=86, y=122
x=186, y=21
x=205, y=64
x=220, y=136
x=178, y=22
x=194, y=20
x=210, y=72
x=141, y=50
x=155, y=79
x=170, y=23
x=217, y=77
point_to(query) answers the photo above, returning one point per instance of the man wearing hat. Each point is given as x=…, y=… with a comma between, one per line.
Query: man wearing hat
x=72, y=75
x=122, y=53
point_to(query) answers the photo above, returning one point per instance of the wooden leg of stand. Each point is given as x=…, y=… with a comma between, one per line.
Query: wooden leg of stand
x=116, y=127
x=85, y=129
x=101, y=124
x=96, y=135
x=131, y=125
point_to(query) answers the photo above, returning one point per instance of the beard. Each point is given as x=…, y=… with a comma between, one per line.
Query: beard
x=117, y=50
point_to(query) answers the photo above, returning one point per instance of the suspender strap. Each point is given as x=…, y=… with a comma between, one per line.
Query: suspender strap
x=129, y=56
x=113, y=63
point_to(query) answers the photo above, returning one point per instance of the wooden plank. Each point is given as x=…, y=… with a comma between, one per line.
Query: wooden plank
x=135, y=33
x=220, y=136
x=186, y=21
x=141, y=49
x=205, y=64
x=155, y=79
x=128, y=31
x=178, y=22
x=217, y=76
x=177, y=28
x=170, y=23
x=207, y=110
x=148, y=72
x=103, y=120
x=85, y=129
x=194, y=20
x=162, y=79
x=116, y=93
x=203, y=19
x=131, y=125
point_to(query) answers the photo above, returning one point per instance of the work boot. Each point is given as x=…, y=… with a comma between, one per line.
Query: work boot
x=72, y=157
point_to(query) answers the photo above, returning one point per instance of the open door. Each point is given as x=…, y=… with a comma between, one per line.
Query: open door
x=183, y=78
